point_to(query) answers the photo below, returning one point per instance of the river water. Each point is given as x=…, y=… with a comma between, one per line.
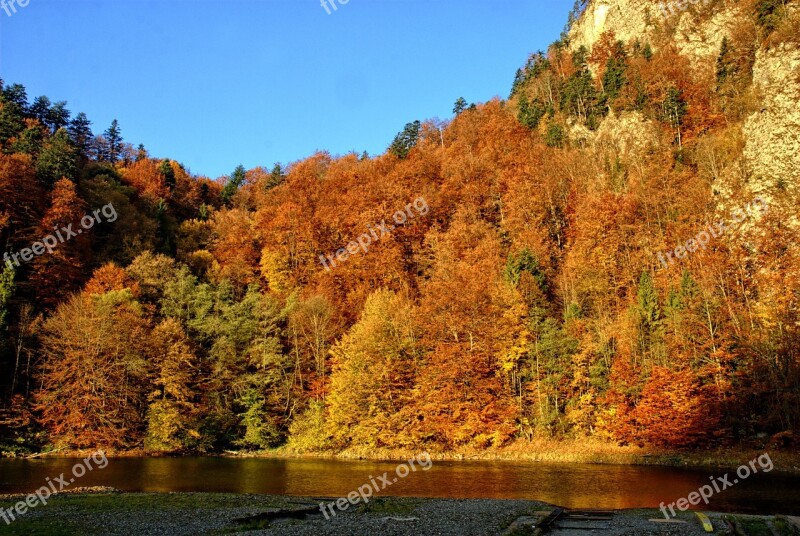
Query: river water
x=568, y=485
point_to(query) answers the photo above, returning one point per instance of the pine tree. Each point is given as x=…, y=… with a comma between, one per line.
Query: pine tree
x=57, y=159
x=80, y=133
x=233, y=184
x=519, y=79
x=165, y=168
x=113, y=139
x=6, y=291
x=405, y=140
x=58, y=116
x=40, y=109
x=674, y=109
x=460, y=106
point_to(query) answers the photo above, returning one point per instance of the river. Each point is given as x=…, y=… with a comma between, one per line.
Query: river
x=568, y=485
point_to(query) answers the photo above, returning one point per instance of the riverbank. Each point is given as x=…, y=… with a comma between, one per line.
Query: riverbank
x=114, y=513
x=549, y=451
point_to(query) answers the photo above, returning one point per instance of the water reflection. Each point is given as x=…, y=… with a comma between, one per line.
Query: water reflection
x=569, y=485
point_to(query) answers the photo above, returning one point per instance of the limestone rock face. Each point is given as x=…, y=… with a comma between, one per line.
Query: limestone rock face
x=695, y=35
x=628, y=19
x=772, y=134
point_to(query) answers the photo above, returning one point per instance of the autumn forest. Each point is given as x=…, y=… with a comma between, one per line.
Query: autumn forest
x=527, y=302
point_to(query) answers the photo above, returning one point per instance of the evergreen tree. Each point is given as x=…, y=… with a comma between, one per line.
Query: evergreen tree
x=165, y=168
x=531, y=114
x=17, y=96
x=276, y=176
x=519, y=79
x=459, y=106
x=406, y=140
x=673, y=110
x=113, y=138
x=12, y=112
x=57, y=159
x=649, y=317
x=58, y=116
x=40, y=109
x=614, y=77
x=233, y=184
x=6, y=291
x=80, y=134
x=726, y=64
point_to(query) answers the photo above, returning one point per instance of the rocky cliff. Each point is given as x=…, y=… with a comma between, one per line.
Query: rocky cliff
x=771, y=126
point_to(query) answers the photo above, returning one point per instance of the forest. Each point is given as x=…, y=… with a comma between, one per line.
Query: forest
x=528, y=302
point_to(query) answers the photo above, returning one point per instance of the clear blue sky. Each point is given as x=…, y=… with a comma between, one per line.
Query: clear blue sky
x=216, y=83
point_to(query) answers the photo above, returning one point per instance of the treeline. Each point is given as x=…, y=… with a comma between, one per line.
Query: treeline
x=528, y=302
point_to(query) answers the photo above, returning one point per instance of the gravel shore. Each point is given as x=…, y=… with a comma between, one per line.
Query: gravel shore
x=151, y=514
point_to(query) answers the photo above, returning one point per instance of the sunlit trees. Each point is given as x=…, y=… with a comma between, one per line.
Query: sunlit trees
x=372, y=366
x=94, y=371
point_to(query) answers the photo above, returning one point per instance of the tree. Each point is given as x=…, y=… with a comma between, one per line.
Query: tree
x=233, y=184
x=17, y=96
x=113, y=139
x=80, y=134
x=373, y=365
x=57, y=159
x=172, y=415
x=405, y=140
x=58, y=117
x=94, y=372
x=673, y=110
x=168, y=173
x=40, y=109
x=61, y=270
x=13, y=107
x=459, y=106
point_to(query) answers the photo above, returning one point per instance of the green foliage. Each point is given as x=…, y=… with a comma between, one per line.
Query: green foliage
x=769, y=14
x=57, y=159
x=548, y=366
x=29, y=141
x=525, y=262
x=459, y=106
x=405, y=140
x=530, y=114
x=165, y=168
x=6, y=292
x=726, y=67
x=614, y=77
x=80, y=133
x=166, y=431
x=259, y=431
x=673, y=110
x=579, y=97
x=13, y=105
x=233, y=184
x=276, y=177
x=555, y=136
x=113, y=142
x=307, y=431
x=649, y=317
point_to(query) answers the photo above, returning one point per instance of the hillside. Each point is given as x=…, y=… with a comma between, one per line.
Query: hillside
x=610, y=253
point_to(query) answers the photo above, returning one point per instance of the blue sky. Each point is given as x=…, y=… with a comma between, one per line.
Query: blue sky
x=216, y=83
